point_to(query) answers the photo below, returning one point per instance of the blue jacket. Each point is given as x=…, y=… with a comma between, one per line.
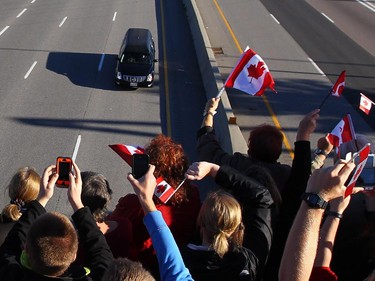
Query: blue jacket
x=171, y=265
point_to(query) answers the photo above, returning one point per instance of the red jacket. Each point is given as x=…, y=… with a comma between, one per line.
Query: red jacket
x=180, y=219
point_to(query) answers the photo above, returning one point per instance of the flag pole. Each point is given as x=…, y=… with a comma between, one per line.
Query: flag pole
x=326, y=97
x=220, y=92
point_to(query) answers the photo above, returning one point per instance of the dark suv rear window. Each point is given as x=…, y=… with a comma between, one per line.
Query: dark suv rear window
x=135, y=58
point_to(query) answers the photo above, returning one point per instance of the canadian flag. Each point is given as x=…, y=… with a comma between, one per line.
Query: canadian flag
x=163, y=190
x=363, y=155
x=343, y=132
x=126, y=151
x=251, y=74
x=365, y=104
x=338, y=88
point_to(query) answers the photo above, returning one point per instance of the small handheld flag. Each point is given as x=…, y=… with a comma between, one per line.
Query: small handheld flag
x=343, y=132
x=337, y=88
x=126, y=151
x=164, y=191
x=363, y=155
x=250, y=75
x=365, y=104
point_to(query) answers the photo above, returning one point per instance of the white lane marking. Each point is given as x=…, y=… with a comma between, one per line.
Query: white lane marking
x=317, y=67
x=367, y=4
x=78, y=142
x=327, y=17
x=114, y=16
x=62, y=22
x=31, y=69
x=4, y=29
x=101, y=62
x=20, y=14
x=274, y=18
x=32, y=2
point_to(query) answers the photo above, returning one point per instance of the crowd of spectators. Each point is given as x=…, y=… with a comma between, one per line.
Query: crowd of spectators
x=264, y=220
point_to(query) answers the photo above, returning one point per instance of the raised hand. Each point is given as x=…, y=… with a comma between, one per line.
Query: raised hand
x=144, y=187
x=47, y=185
x=75, y=188
x=307, y=125
x=329, y=182
x=199, y=170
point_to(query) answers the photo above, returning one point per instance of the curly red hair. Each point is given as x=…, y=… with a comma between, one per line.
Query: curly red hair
x=170, y=163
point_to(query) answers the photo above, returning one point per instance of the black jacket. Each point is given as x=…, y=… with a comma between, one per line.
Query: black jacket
x=98, y=252
x=247, y=262
x=295, y=187
x=209, y=149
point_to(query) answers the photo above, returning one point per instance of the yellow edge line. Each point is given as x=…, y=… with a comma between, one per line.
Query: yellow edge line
x=165, y=65
x=270, y=110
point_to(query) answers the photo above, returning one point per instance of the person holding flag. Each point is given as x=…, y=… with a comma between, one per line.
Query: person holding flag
x=181, y=210
x=351, y=239
x=342, y=139
x=264, y=145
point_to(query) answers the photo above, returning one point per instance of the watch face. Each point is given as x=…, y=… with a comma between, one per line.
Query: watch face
x=313, y=199
x=319, y=151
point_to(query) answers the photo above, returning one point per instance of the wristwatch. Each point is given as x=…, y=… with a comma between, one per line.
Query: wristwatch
x=314, y=200
x=319, y=151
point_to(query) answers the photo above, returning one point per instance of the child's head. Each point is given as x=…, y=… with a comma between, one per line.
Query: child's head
x=220, y=222
x=123, y=269
x=22, y=188
x=51, y=244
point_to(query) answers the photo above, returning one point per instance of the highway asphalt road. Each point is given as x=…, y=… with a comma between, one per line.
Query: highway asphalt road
x=305, y=53
x=57, y=83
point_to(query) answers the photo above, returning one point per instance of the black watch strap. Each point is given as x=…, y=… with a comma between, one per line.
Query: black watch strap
x=319, y=151
x=314, y=200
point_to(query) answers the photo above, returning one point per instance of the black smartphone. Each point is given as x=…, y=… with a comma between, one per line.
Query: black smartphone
x=140, y=165
x=63, y=168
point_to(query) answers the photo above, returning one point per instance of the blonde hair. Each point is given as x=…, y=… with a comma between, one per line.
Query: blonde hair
x=51, y=244
x=22, y=188
x=220, y=222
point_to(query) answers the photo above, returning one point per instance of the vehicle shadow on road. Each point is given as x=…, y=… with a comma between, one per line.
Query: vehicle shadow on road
x=86, y=69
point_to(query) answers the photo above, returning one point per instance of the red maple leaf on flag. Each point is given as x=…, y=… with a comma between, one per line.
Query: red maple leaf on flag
x=340, y=89
x=161, y=188
x=255, y=71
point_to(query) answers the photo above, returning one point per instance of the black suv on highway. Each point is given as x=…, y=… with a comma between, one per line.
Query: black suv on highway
x=136, y=60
